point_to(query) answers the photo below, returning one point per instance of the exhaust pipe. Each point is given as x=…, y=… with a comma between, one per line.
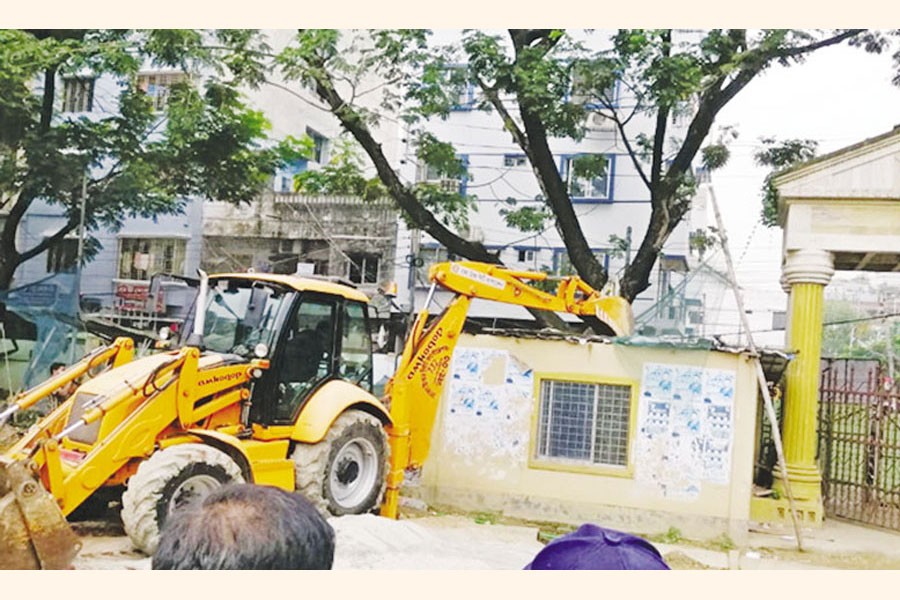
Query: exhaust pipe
x=196, y=337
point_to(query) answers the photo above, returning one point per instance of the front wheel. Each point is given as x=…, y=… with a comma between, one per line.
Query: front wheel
x=345, y=473
x=168, y=480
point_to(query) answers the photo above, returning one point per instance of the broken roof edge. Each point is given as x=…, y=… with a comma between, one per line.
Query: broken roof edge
x=774, y=361
x=633, y=340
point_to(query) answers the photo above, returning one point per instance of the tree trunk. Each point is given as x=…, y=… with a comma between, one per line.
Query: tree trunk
x=406, y=200
x=9, y=261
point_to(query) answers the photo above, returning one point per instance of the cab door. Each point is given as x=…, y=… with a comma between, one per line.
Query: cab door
x=306, y=357
x=355, y=365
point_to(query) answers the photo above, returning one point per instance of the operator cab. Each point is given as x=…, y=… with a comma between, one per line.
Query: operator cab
x=311, y=332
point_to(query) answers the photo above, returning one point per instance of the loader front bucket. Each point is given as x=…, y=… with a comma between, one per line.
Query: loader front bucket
x=34, y=533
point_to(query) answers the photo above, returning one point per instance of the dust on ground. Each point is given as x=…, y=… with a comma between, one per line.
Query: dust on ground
x=425, y=538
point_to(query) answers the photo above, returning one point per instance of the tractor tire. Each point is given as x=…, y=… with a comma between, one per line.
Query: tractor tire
x=166, y=481
x=345, y=473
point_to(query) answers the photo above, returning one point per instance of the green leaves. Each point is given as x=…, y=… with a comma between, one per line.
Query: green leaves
x=715, y=156
x=527, y=218
x=440, y=156
x=143, y=155
x=589, y=166
x=342, y=176
x=779, y=155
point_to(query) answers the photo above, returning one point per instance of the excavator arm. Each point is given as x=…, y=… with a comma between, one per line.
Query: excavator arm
x=415, y=390
x=118, y=353
x=33, y=529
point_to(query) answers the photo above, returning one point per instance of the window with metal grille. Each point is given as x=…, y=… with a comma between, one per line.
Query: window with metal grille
x=62, y=255
x=595, y=187
x=78, y=94
x=159, y=86
x=139, y=258
x=584, y=422
x=362, y=268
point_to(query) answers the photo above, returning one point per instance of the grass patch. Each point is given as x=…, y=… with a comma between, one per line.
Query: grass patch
x=672, y=536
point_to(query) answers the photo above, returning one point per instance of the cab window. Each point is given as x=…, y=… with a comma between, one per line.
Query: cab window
x=307, y=357
x=356, y=347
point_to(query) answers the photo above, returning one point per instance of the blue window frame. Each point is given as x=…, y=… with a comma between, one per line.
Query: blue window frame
x=581, y=189
x=284, y=177
x=320, y=145
x=591, y=103
x=563, y=267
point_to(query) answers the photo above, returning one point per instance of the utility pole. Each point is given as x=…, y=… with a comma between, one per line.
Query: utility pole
x=413, y=262
x=760, y=375
x=84, y=185
x=79, y=258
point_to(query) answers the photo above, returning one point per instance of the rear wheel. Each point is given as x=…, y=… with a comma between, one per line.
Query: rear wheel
x=345, y=473
x=167, y=481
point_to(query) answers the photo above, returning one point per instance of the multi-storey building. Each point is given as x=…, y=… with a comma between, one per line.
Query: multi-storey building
x=613, y=209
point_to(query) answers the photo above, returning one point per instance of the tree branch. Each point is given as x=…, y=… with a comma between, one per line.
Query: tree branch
x=423, y=218
x=554, y=189
x=799, y=50
x=47, y=242
x=620, y=125
x=508, y=122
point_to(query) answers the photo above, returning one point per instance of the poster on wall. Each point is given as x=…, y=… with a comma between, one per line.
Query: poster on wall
x=685, y=428
x=487, y=411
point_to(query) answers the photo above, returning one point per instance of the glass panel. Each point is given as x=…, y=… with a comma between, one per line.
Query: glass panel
x=356, y=347
x=240, y=316
x=307, y=356
x=139, y=258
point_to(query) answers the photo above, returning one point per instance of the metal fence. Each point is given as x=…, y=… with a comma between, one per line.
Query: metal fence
x=859, y=442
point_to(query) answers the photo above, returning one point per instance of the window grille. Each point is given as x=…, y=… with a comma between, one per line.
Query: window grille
x=78, y=94
x=140, y=258
x=363, y=268
x=159, y=86
x=584, y=423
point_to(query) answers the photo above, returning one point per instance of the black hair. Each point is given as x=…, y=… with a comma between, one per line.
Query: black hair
x=56, y=365
x=244, y=526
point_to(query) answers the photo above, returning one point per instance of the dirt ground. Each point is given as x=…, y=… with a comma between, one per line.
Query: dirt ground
x=428, y=539
x=424, y=540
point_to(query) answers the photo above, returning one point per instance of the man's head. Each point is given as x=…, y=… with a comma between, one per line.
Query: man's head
x=598, y=548
x=243, y=526
x=57, y=367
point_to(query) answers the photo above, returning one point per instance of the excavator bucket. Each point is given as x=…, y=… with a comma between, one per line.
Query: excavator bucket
x=34, y=533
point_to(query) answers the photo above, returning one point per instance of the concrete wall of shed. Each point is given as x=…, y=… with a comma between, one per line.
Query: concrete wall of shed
x=484, y=451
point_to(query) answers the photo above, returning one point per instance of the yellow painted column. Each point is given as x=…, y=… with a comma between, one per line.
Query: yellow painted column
x=807, y=272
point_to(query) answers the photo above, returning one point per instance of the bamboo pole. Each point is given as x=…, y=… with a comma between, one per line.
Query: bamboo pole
x=760, y=375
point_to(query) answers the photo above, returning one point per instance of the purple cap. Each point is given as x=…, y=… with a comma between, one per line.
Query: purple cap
x=594, y=547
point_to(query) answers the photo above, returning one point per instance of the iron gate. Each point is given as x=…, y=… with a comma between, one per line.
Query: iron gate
x=859, y=442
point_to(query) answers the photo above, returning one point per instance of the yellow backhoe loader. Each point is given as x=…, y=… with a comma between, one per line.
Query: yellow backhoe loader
x=273, y=385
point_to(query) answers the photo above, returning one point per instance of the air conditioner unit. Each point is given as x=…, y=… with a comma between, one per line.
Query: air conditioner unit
x=448, y=185
x=472, y=233
x=597, y=122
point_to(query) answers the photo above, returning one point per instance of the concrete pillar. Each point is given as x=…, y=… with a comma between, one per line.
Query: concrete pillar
x=807, y=272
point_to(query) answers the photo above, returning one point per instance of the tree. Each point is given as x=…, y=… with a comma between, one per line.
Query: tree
x=541, y=84
x=779, y=156
x=852, y=332
x=138, y=160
